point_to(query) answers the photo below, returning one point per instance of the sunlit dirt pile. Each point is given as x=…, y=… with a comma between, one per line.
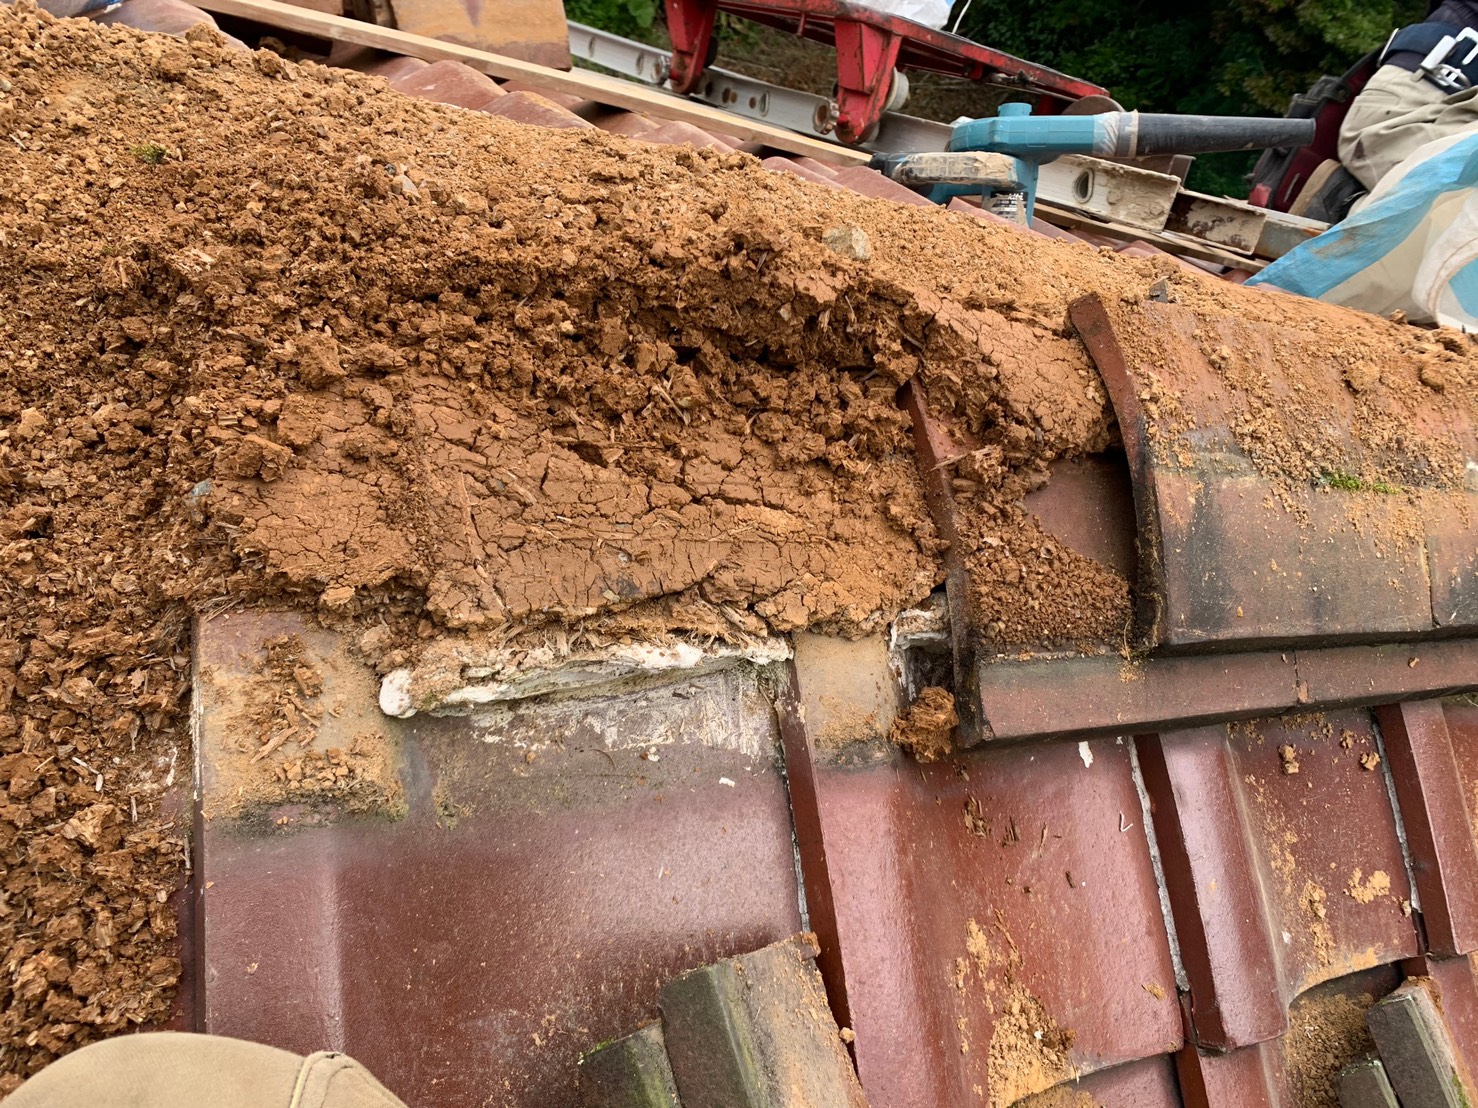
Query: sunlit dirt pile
x=276, y=334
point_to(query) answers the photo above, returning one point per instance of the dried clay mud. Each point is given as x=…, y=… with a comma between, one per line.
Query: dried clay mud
x=275, y=334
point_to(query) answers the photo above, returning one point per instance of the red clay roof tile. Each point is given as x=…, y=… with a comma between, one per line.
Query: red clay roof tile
x=530, y=107
x=450, y=83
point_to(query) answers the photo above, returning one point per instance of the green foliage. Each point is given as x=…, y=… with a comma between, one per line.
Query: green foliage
x=1223, y=57
x=1348, y=482
x=150, y=152
x=632, y=18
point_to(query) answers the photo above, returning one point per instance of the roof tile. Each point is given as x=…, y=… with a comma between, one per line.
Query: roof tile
x=395, y=68
x=676, y=133
x=791, y=165
x=170, y=17
x=563, y=99
x=870, y=182
x=450, y=83
x=530, y=107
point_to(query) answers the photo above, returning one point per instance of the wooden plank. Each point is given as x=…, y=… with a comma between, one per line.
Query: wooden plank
x=1283, y=232
x=1124, y=194
x=1172, y=244
x=1230, y=223
x=534, y=30
x=587, y=85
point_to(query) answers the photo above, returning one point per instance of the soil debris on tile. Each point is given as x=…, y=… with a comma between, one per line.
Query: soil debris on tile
x=1326, y=1032
x=1029, y=1050
x=927, y=727
x=1365, y=889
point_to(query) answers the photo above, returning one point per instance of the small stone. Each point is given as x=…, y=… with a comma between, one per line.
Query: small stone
x=270, y=64
x=373, y=641
x=401, y=185
x=849, y=242
x=462, y=202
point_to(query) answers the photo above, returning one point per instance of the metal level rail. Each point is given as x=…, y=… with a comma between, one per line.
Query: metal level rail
x=802, y=112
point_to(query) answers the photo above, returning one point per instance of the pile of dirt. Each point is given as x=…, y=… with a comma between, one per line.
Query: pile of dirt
x=1326, y=1032
x=277, y=334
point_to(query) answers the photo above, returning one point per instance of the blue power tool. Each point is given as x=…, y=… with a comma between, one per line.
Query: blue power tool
x=998, y=157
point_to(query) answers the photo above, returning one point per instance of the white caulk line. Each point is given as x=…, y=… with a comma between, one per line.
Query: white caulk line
x=1181, y=981
x=1385, y=768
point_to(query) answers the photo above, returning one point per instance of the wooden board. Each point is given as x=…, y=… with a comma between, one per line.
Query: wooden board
x=1231, y=223
x=590, y=86
x=1172, y=244
x=1123, y=193
x=533, y=30
x=1282, y=232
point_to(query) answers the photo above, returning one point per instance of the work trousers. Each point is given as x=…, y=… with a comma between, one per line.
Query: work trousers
x=163, y=1069
x=1395, y=114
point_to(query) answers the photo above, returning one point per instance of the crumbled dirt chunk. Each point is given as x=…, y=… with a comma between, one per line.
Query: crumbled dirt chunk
x=1029, y=1050
x=357, y=779
x=1365, y=889
x=1288, y=759
x=928, y=726
x=1326, y=1032
x=1028, y=589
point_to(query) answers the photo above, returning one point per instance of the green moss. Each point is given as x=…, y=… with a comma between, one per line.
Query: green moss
x=1348, y=482
x=150, y=152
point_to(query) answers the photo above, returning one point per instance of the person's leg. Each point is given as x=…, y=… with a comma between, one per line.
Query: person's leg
x=168, y=1070
x=1394, y=114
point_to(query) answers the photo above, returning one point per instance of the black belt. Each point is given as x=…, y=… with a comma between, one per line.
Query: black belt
x=1443, y=53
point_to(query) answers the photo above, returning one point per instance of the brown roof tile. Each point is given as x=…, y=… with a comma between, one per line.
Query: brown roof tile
x=870, y=182
x=170, y=17
x=450, y=83
x=393, y=68
x=677, y=133
x=791, y=165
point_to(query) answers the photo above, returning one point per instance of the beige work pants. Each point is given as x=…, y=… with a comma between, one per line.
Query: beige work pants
x=167, y=1070
x=1393, y=115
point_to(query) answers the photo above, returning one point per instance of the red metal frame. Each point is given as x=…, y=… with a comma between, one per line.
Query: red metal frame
x=870, y=45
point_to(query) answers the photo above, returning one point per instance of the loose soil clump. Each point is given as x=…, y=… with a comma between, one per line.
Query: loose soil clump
x=1326, y=1032
x=927, y=728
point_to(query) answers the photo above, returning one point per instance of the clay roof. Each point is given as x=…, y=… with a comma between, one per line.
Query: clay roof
x=456, y=83
x=1179, y=874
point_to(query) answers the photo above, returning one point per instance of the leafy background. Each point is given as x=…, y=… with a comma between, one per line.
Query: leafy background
x=1218, y=56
